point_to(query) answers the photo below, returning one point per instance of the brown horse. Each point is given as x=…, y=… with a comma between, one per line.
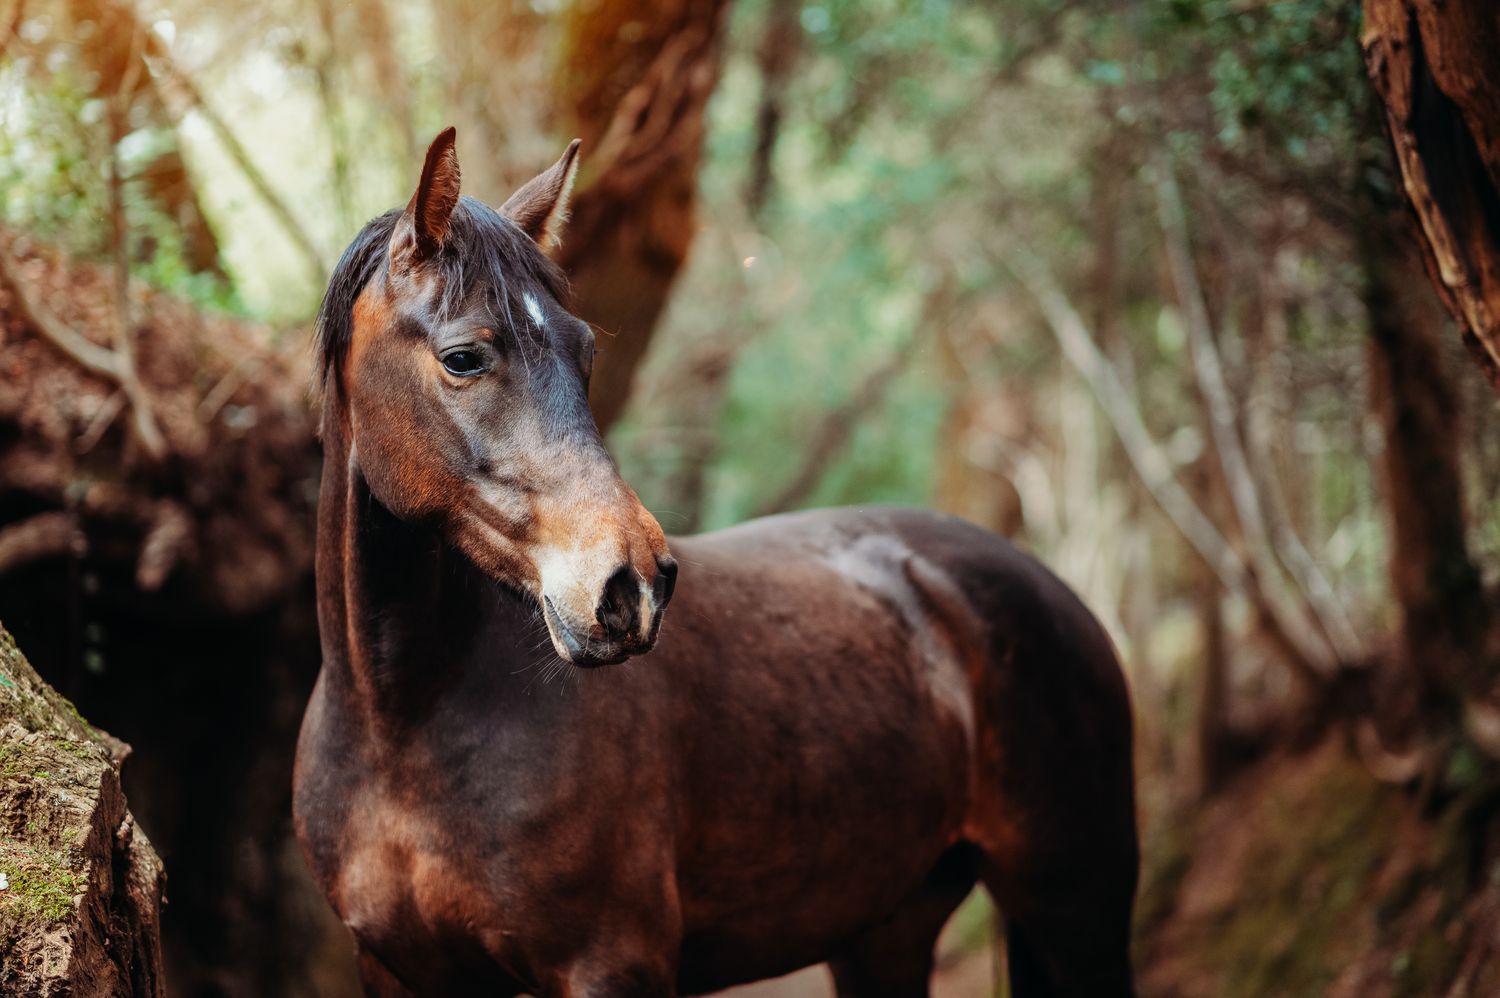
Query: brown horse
x=852, y=717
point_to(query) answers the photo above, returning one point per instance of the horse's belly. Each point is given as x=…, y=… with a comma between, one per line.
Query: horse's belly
x=804, y=927
x=807, y=839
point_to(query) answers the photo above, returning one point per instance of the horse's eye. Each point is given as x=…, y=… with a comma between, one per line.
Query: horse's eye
x=463, y=363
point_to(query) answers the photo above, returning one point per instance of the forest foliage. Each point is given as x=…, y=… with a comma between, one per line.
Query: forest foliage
x=885, y=188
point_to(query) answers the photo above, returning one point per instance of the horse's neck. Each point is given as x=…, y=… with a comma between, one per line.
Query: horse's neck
x=397, y=607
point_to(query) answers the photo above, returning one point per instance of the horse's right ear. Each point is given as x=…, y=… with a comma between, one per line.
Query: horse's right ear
x=424, y=225
x=540, y=207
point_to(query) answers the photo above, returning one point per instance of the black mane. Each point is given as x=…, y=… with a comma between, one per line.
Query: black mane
x=482, y=249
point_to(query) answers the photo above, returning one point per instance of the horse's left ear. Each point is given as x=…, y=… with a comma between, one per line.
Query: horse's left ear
x=541, y=206
x=424, y=225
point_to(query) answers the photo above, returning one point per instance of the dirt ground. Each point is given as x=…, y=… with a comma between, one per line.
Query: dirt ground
x=970, y=977
x=966, y=969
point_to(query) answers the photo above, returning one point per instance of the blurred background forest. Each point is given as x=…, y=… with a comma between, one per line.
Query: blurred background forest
x=1133, y=282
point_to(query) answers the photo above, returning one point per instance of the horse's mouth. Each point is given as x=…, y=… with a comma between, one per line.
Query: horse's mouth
x=589, y=651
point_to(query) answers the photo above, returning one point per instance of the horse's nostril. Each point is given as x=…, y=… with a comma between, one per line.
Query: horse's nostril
x=619, y=606
x=666, y=581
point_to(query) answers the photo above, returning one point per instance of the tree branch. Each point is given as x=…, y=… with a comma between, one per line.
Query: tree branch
x=188, y=97
x=1268, y=555
x=1045, y=33
x=775, y=56
x=45, y=535
x=1155, y=469
x=104, y=363
x=143, y=421
x=90, y=356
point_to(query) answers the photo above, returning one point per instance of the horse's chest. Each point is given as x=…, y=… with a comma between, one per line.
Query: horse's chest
x=391, y=862
x=393, y=865
x=405, y=888
x=483, y=881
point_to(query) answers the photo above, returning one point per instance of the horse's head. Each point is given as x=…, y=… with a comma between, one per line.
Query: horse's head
x=461, y=383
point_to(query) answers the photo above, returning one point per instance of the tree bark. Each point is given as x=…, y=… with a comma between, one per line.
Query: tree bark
x=1436, y=68
x=637, y=88
x=1221, y=410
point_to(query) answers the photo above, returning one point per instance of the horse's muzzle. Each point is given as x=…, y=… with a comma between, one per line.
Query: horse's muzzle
x=626, y=620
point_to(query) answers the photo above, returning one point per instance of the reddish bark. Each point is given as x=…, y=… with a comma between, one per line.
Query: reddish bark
x=637, y=87
x=1435, y=66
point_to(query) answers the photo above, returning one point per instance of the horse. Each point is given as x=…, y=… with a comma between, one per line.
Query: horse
x=850, y=719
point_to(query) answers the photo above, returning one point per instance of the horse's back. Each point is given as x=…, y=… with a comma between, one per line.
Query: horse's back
x=1034, y=659
x=974, y=583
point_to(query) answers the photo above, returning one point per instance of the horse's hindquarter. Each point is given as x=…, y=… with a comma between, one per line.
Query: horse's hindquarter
x=824, y=728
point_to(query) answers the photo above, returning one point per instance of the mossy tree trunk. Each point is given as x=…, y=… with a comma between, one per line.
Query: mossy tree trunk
x=80, y=886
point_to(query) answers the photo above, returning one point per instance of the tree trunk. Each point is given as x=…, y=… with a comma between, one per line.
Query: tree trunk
x=1444, y=617
x=505, y=118
x=1436, y=68
x=1212, y=723
x=700, y=388
x=978, y=408
x=637, y=87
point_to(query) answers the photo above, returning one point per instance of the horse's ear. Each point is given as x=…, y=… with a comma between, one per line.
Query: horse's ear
x=540, y=207
x=424, y=225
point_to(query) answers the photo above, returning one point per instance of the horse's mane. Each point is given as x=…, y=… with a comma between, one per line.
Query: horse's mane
x=483, y=249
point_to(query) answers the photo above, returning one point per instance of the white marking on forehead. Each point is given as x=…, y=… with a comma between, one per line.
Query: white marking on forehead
x=533, y=309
